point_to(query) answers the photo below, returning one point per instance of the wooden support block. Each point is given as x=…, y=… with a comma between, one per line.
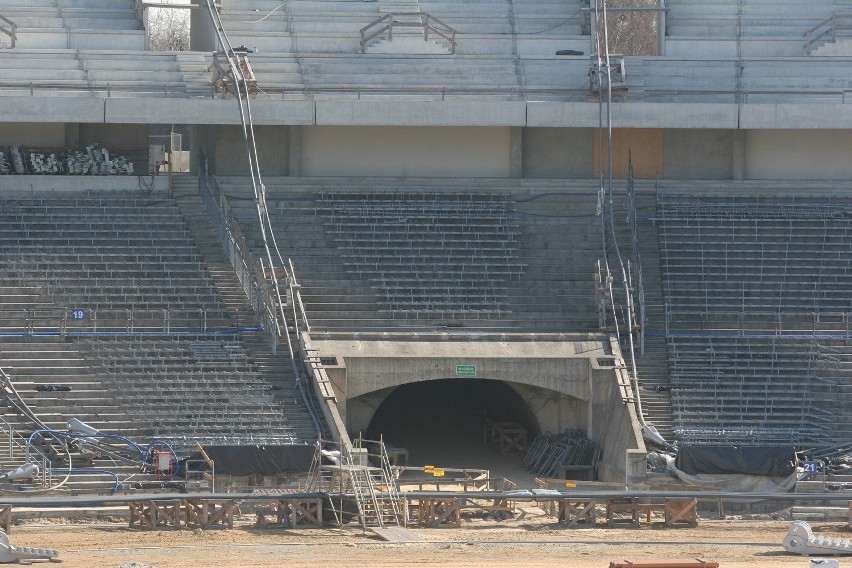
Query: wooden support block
x=305, y=512
x=435, y=513
x=193, y=513
x=6, y=518
x=142, y=514
x=681, y=511
x=169, y=513
x=576, y=511
x=219, y=513
x=616, y=508
x=649, y=508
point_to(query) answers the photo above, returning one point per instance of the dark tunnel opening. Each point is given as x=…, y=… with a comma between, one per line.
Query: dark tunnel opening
x=441, y=423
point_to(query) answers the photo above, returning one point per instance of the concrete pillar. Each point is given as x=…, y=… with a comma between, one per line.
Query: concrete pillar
x=202, y=34
x=294, y=159
x=661, y=28
x=636, y=467
x=516, y=152
x=739, y=157
x=202, y=140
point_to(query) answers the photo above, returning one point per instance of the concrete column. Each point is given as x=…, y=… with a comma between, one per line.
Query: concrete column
x=636, y=470
x=202, y=139
x=739, y=158
x=516, y=152
x=661, y=29
x=294, y=159
x=202, y=34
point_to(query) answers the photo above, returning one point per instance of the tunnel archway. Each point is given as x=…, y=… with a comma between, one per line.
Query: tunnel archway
x=440, y=422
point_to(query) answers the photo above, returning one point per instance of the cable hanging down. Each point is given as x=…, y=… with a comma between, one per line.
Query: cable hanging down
x=240, y=92
x=605, y=210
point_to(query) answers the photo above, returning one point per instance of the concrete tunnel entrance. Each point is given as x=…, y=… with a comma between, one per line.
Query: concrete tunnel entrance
x=440, y=423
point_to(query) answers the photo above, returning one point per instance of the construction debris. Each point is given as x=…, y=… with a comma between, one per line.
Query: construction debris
x=9, y=553
x=801, y=540
x=92, y=160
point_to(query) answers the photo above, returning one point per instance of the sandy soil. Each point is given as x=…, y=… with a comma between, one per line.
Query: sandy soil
x=530, y=539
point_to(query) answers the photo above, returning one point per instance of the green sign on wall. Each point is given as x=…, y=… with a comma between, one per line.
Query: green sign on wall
x=465, y=370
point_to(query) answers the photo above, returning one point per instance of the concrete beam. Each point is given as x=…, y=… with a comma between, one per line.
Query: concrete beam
x=792, y=116
x=633, y=115
x=206, y=111
x=52, y=109
x=421, y=113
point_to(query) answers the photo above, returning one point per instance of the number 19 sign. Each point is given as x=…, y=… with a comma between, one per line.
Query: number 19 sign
x=79, y=315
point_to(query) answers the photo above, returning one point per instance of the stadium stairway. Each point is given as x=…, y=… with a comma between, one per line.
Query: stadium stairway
x=275, y=368
x=124, y=257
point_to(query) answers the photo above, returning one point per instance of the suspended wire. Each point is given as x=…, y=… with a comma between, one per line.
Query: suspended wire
x=606, y=207
x=264, y=221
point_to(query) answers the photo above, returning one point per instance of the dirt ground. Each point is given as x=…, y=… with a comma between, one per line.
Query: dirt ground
x=529, y=539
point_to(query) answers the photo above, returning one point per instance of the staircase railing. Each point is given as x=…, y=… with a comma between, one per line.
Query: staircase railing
x=10, y=30
x=826, y=31
x=385, y=25
x=246, y=266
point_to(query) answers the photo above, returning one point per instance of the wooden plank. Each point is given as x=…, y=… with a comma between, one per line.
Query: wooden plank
x=396, y=534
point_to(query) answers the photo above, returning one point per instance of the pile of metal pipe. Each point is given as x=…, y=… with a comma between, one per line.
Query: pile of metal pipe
x=92, y=160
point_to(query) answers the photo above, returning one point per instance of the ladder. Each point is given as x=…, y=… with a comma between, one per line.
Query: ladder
x=346, y=475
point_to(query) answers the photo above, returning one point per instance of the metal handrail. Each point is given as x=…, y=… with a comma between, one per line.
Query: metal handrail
x=760, y=322
x=829, y=26
x=9, y=32
x=63, y=321
x=246, y=266
x=427, y=22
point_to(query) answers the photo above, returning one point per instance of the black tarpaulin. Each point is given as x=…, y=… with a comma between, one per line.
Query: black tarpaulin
x=778, y=461
x=259, y=460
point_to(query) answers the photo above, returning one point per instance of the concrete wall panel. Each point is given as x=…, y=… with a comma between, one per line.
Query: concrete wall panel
x=38, y=135
x=230, y=155
x=401, y=151
x=698, y=154
x=645, y=145
x=558, y=153
x=798, y=154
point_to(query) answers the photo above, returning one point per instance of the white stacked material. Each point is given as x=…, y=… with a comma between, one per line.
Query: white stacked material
x=93, y=160
x=5, y=166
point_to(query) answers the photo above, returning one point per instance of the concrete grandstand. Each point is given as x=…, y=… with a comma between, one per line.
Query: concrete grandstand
x=449, y=253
